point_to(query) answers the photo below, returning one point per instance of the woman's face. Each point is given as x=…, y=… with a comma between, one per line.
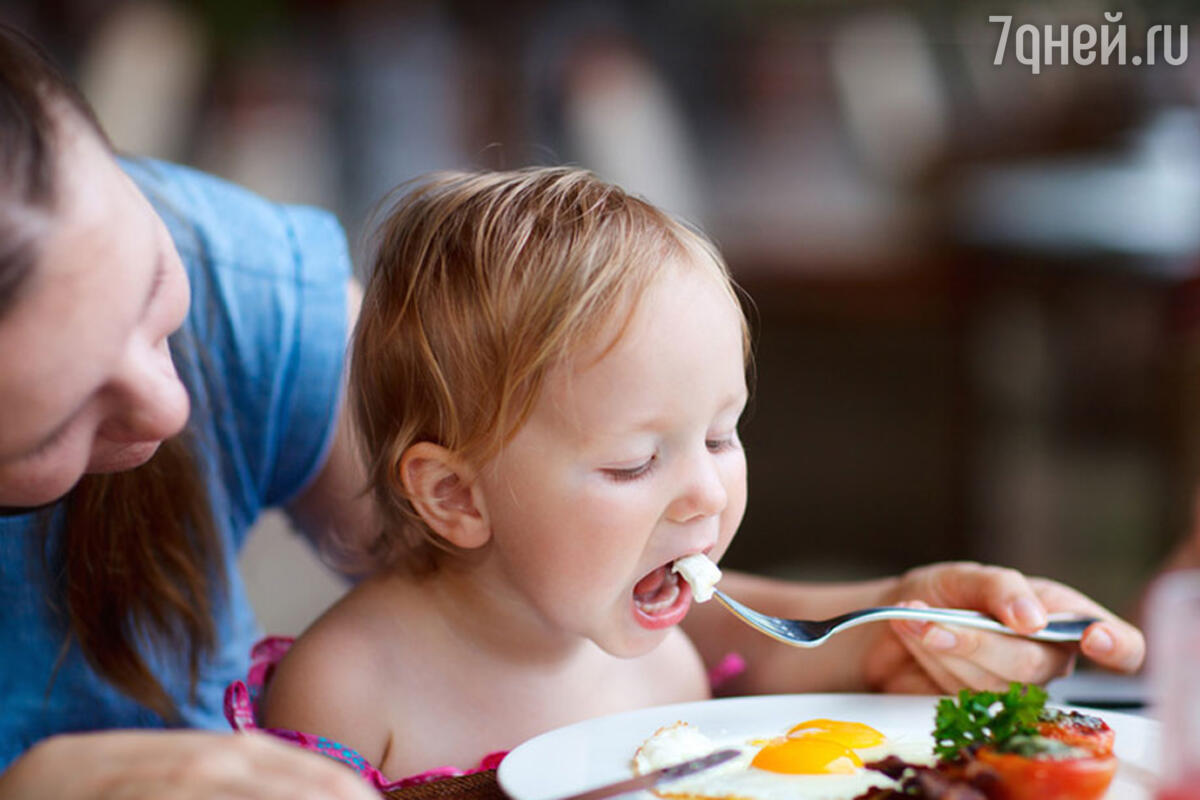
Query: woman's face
x=86, y=380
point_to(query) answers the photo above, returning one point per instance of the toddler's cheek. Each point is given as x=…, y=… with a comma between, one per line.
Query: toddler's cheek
x=737, y=493
x=728, y=531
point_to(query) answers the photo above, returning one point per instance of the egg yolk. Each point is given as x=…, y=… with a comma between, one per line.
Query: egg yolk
x=850, y=734
x=807, y=755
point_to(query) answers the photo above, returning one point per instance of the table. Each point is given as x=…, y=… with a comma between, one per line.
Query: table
x=477, y=786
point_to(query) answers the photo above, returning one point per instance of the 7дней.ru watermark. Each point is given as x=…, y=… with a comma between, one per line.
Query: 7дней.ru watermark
x=1036, y=46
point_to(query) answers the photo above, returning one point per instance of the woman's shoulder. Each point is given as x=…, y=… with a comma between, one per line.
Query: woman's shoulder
x=230, y=227
x=181, y=184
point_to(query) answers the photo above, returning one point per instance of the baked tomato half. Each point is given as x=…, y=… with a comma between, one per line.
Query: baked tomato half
x=1061, y=773
x=1078, y=730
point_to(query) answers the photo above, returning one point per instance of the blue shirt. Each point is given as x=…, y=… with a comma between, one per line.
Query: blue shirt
x=261, y=352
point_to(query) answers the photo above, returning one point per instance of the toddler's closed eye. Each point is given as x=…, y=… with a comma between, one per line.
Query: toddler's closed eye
x=724, y=443
x=631, y=473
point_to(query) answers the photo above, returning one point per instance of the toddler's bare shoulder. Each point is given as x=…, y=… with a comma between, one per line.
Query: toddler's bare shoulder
x=327, y=685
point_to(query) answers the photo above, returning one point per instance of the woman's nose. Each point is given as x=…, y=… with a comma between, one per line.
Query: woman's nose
x=148, y=401
x=703, y=492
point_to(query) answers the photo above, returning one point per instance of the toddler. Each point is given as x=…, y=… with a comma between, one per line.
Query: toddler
x=547, y=374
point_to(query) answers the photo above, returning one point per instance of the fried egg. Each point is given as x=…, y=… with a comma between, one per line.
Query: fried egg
x=818, y=759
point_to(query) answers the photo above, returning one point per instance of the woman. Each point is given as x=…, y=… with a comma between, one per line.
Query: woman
x=147, y=621
x=124, y=514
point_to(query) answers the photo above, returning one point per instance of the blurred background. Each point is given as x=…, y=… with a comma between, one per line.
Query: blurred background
x=974, y=287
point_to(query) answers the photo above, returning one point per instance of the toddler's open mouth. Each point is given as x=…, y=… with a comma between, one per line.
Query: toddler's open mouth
x=661, y=598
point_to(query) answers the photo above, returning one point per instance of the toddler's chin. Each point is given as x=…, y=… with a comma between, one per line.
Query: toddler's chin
x=634, y=645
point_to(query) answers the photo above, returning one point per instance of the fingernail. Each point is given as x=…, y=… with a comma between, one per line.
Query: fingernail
x=940, y=639
x=1100, y=641
x=914, y=627
x=1028, y=613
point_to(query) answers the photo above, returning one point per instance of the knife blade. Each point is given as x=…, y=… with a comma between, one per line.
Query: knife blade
x=657, y=777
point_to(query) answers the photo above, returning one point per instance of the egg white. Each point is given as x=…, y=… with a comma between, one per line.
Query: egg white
x=736, y=778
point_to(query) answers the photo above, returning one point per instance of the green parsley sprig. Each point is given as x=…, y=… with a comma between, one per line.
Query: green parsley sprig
x=980, y=718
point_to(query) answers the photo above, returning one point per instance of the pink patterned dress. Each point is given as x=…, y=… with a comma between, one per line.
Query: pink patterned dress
x=241, y=709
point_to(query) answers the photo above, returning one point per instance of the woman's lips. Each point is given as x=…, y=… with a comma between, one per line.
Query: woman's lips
x=661, y=599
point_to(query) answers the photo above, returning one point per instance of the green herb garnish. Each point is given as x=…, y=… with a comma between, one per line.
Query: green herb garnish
x=980, y=718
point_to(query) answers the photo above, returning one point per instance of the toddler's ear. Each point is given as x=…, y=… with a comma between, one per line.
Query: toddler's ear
x=442, y=489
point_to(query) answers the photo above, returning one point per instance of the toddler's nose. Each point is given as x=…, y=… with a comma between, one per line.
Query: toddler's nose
x=703, y=493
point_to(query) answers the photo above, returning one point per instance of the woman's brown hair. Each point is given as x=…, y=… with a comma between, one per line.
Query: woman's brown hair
x=137, y=561
x=481, y=283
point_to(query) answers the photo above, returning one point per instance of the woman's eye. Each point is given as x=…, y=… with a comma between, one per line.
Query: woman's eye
x=631, y=473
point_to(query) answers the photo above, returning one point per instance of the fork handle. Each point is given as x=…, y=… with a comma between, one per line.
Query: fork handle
x=1061, y=628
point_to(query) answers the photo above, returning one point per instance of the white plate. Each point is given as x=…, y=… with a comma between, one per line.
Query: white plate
x=599, y=751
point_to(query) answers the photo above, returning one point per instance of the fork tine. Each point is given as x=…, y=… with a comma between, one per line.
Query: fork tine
x=788, y=631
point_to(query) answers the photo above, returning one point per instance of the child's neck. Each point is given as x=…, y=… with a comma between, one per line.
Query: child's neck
x=480, y=607
x=474, y=648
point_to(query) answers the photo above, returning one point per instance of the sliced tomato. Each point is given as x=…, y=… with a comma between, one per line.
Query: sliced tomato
x=1024, y=778
x=1078, y=730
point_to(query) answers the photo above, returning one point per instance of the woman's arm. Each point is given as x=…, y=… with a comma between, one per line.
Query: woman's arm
x=1187, y=554
x=334, y=504
x=146, y=765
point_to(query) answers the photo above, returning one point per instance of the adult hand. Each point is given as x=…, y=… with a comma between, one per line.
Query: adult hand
x=182, y=765
x=923, y=657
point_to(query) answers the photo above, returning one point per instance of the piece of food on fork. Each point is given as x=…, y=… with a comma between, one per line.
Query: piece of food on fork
x=700, y=573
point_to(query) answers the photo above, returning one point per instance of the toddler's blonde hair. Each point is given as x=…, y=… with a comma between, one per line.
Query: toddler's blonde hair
x=480, y=283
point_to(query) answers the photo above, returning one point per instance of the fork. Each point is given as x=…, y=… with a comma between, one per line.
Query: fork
x=812, y=633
